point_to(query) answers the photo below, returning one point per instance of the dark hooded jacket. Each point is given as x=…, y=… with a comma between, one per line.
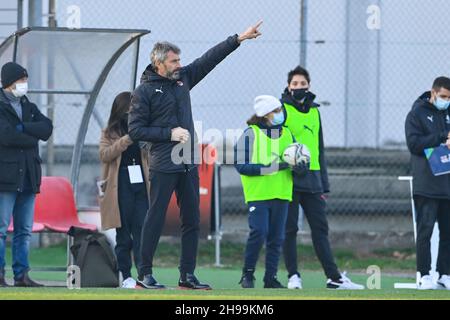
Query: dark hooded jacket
x=160, y=104
x=426, y=127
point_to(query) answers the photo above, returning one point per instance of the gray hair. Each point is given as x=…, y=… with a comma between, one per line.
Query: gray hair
x=160, y=51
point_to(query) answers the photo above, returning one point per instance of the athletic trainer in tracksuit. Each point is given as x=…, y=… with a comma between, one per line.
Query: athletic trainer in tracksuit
x=159, y=105
x=426, y=126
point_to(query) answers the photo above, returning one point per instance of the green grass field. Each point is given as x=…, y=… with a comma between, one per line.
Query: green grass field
x=224, y=280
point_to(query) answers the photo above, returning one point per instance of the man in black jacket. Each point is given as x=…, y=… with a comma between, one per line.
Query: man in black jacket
x=21, y=127
x=303, y=119
x=161, y=114
x=428, y=125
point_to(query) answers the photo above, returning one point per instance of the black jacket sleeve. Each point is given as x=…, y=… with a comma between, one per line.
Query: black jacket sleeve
x=417, y=140
x=322, y=161
x=139, y=119
x=10, y=137
x=200, y=67
x=41, y=127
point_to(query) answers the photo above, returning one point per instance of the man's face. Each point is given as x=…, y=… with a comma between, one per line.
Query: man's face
x=171, y=67
x=298, y=82
x=441, y=93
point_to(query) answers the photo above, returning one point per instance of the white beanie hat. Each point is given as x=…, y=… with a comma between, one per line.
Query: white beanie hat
x=265, y=104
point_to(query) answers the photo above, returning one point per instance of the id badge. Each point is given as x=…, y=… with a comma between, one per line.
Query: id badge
x=135, y=174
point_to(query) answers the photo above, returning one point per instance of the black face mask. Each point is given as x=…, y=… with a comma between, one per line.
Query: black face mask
x=304, y=97
x=299, y=94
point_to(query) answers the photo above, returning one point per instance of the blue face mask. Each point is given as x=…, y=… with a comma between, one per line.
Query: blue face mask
x=441, y=104
x=278, y=118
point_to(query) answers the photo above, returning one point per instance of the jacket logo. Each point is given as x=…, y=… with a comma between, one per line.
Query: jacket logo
x=180, y=83
x=430, y=118
x=447, y=119
x=159, y=90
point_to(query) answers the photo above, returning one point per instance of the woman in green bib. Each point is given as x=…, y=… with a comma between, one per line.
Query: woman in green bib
x=303, y=119
x=267, y=183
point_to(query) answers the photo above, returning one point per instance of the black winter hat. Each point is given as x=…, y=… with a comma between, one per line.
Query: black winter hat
x=11, y=72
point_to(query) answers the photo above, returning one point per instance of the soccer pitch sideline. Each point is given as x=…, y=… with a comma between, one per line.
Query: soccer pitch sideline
x=225, y=287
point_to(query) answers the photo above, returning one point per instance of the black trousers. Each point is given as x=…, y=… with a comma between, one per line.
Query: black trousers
x=133, y=206
x=314, y=209
x=428, y=211
x=186, y=187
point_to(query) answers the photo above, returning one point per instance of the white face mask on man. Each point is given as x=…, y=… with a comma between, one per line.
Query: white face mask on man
x=21, y=89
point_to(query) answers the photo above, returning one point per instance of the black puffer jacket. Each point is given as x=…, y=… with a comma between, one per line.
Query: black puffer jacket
x=160, y=104
x=427, y=127
x=20, y=163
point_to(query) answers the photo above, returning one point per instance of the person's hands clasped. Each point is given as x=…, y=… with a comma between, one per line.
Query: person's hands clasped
x=251, y=33
x=180, y=135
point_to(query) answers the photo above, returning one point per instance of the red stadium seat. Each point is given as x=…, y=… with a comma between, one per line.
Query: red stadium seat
x=55, y=206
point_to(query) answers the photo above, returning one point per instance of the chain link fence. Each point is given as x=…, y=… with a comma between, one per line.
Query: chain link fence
x=368, y=59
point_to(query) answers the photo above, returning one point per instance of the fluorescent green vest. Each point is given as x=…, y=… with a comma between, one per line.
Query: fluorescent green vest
x=305, y=128
x=277, y=185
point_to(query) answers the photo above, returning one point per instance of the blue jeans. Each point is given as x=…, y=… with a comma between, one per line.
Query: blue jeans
x=267, y=222
x=19, y=205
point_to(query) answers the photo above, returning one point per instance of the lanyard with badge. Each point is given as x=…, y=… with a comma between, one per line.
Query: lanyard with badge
x=135, y=173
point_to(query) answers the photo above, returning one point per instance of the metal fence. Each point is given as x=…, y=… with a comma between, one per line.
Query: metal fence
x=369, y=60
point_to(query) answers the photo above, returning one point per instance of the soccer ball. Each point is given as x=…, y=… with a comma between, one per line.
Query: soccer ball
x=296, y=153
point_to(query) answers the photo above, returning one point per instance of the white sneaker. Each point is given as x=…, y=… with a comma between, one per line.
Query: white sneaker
x=295, y=282
x=426, y=283
x=344, y=283
x=444, y=282
x=129, y=283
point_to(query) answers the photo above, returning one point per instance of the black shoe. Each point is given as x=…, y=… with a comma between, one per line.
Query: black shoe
x=189, y=281
x=148, y=282
x=247, y=281
x=273, y=283
x=3, y=283
x=26, y=281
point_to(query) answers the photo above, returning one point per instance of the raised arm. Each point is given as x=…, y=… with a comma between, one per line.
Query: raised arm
x=200, y=67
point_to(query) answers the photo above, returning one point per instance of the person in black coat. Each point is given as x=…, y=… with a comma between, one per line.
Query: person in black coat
x=22, y=125
x=302, y=117
x=161, y=115
x=428, y=125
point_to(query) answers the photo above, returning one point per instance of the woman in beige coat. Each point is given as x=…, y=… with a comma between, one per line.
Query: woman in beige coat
x=124, y=187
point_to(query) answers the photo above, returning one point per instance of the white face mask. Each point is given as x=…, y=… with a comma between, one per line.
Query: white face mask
x=21, y=89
